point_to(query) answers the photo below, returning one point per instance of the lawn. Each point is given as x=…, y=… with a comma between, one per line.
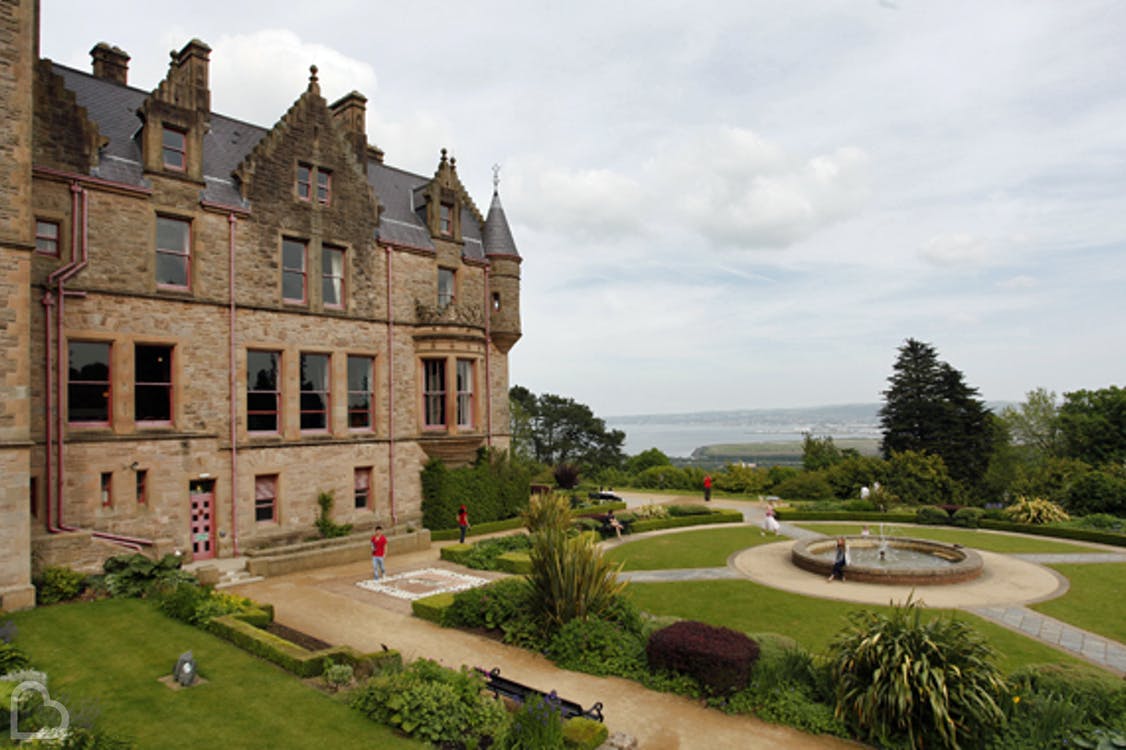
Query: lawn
x=989, y=541
x=706, y=548
x=109, y=654
x=1091, y=602
x=812, y=622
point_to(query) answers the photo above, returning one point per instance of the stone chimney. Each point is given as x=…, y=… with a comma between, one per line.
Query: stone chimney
x=110, y=63
x=187, y=83
x=350, y=114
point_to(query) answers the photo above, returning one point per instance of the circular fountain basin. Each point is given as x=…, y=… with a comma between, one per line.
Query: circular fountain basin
x=913, y=562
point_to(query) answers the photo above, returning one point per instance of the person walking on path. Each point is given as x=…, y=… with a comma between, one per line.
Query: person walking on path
x=842, y=559
x=462, y=524
x=378, y=552
x=707, y=487
x=770, y=523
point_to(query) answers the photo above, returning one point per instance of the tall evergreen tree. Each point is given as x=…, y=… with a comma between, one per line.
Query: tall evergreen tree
x=928, y=407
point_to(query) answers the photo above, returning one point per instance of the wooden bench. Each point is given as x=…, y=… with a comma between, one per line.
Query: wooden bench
x=519, y=692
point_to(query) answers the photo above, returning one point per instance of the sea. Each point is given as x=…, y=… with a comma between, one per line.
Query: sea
x=678, y=435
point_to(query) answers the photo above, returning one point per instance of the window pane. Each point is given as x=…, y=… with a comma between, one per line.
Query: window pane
x=293, y=270
x=332, y=287
x=88, y=389
x=445, y=286
x=152, y=403
x=262, y=368
x=314, y=391
x=262, y=397
x=171, y=234
x=171, y=270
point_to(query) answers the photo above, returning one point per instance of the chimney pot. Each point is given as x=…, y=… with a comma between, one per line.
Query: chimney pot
x=110, y=63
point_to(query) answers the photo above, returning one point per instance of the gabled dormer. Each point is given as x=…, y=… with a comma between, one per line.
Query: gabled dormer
x=175, y=116
x=441, y=201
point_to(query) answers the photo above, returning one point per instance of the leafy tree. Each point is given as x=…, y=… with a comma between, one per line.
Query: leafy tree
x=565, y=431
x=522, y=408
x=919, y=478
x=1093, y=425
x=647, y=460
x=928, y=407
x=1034, y=423
x=818, y=453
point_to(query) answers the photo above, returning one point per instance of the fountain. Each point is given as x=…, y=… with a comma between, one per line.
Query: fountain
x=891, y=560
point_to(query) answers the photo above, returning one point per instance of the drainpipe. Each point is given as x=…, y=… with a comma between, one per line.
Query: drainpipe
x=49, y=378
x=232, y=221
x=488, y=347
x=390, y=394
x=59, y=278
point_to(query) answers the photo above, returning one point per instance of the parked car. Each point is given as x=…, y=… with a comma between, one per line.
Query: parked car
x=605, y=495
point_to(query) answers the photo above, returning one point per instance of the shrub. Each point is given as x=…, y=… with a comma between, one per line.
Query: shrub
x=548, y=512
x=136, y=575
x=918, y=478
x=651, y=511
x=969, y=518
x=1097, y=492
x=195, y=604
x=495, y=487
x=432, y=608
x=932, y=516
x=808, y=485
x=337, y=676
x=570, y=578
x=933, y=684
x=1035, y=511
x=488, y=606
x=11, y=658
x=663, y=478
x=58, y=584
x=328, y=528
x=566, y=476
x=678, y=511
x=597, y=647
x=538, y=723
x=483, y=555
x=720, y=659
x=581, y=733
x=433, y=704
x=1101, y=522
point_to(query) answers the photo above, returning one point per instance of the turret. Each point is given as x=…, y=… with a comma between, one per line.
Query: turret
x=504, y=275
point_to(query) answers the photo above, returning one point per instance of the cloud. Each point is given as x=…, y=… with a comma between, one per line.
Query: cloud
x=269, y=70
x=1018, y=282
x=959, y=249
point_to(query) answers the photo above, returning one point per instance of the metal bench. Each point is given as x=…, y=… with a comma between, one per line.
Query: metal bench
x=519, y=692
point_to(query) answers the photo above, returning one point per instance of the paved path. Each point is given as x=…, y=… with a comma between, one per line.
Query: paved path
x=1103, y=651
x=1081, y=557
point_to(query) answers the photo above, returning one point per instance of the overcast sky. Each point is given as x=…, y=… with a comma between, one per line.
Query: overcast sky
x=740, y=204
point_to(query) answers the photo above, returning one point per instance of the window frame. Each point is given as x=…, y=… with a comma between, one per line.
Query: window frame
x=434, y=400
x=446, y=219
x=276, y=392
x=368, y=392
x=333, y=251
x=303, y=272
x=142, y=487
x=180, y=150
x=107, y=384
x=447, y=299
x=326, y=393
x=185, y=254
x=358, y=492
x=264, y=481
x=304, y=187
x=168, y=386
x=465, y=412
x=105, y=489
x=55, y=240
x=323, y=186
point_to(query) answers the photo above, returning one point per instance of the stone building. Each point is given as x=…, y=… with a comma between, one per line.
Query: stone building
x=208, y=323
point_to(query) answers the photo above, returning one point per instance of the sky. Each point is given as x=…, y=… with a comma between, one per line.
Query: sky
x=732, y=205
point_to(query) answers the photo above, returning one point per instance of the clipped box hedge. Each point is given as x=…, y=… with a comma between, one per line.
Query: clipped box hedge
x=1080, y=535
x=443, y=535
x=872, y=516
x=237, y=629
x=720, y=515
x=432, y=608
x=456, y=553
x=581, y=733
x=518, y=563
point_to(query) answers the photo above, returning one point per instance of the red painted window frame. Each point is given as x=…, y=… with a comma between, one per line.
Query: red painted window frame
x=434, y=393
x=181, y=151
x=185, y=253
x=105, y=489
x=276, y=392
x=43, y=239
x=171, y=353
x=361, y=489
x=304, y=182
x=263, y=482
x=107, y=384
x=367, y=391
x=326, y=394
x=303, y=272
x=465, y=415
x=142, y=487
x=328, y=251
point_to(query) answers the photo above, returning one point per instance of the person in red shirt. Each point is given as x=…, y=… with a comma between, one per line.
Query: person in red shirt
x=378, y=552
x=462, y=524
x=707, y=487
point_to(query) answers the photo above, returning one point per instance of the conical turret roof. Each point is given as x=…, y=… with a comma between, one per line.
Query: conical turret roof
x=498, y=237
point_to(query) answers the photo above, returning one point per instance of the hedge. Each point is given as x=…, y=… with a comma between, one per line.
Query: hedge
x=722, y=515
x=843, y=515
x=477, y=529
x=432, y=607
x=580, y=733
x=1081, y=535
x=456, y=553
x=494, y=488
x=518, y=563
x=289, y=656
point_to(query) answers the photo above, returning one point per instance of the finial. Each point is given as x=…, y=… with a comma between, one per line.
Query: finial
x=496, y=178
x=444, y=156
x=313, y=85
x=453, y=162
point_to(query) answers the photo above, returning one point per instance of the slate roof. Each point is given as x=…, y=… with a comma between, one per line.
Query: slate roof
x=498, y=237
x=113, y=107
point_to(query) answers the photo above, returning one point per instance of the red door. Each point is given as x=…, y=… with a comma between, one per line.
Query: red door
x=202, y=493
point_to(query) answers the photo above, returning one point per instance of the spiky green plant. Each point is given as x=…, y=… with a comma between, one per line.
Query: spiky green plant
x=570, y=578
x=1035, y=510
x=932, y=683
x=552, y=511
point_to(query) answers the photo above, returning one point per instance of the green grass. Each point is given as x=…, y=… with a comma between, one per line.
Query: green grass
x=988, y=541
x=812, y=622
x=109, y=654
x=707, y=548
x=1092, y=601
